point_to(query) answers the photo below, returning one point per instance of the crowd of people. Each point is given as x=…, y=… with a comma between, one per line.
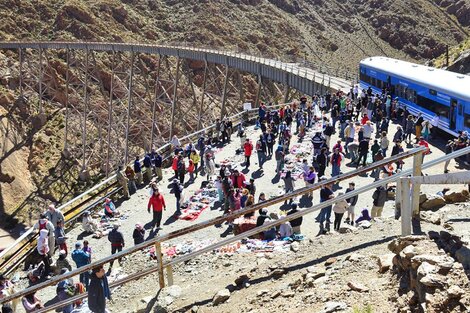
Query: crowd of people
x=361, y=119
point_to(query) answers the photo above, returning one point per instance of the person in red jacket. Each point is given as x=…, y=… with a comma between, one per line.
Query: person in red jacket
x=425, y=144
x=157, y=202
x=238, y=179
x=174, y=165
x=248, y=149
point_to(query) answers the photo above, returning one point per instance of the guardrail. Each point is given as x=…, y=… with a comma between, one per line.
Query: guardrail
x=295, y=75
x=158, y=240
x=15, y=254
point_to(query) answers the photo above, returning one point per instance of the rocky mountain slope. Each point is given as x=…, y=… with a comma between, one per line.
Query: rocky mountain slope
x=336, y=33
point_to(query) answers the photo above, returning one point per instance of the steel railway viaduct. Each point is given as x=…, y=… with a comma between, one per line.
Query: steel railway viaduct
x=118, y=100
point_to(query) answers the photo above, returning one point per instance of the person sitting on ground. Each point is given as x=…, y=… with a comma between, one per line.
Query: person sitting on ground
x=363, y=217
x=138, y=234
x=263, y=215
x=89, y=225
x=296, y=223
x=285, y=230
x=31, y=303
x=110, y=210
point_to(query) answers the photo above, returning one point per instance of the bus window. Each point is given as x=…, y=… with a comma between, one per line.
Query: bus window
x=453, y=114
x=467, y=120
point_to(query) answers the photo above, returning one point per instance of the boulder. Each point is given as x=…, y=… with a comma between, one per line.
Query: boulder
x=385, y=262
x=330, y=261
x=174, y=291
x=357, y=287
x=425, y=269
x=463, y=256
x=433, y=280
x=455, y=197
x=408, y=252
x=441, y=261
x=315, y=272
x=278, y=272
x=398, y=244
x=241, y=280
x=220, y=297
x=355, y=257
x=422, y=198
x=431, y=217
x=433, y=202
x=455, y=292
x=294, y=247
x=334, y=306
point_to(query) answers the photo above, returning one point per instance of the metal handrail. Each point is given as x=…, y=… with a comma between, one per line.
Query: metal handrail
x=218, y=220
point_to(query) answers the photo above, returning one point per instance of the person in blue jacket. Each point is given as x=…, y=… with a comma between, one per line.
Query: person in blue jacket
x=81, y=258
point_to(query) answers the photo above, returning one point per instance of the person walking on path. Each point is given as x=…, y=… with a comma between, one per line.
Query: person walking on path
x=449, y=149
x=98, y=290
x=123, y=181
x=248, y=150
x=424, y=143
x=261, y=151
x=117, y=242
x=81, y=258
x=363, y=151
x=157, y=203
x=322, y=161
x=339, y=209
x=177, y=190
x=194, y=156
x=384, y=143
x=279, y=156
x=379, y=196
x=324, y=217
x=139, y=234
x=352, y=201
x=60, y=238
x=288, y=185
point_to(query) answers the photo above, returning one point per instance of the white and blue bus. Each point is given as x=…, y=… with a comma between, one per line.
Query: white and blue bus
x=422, y=89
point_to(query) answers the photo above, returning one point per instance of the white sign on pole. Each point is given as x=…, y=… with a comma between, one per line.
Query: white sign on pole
x=247, y=106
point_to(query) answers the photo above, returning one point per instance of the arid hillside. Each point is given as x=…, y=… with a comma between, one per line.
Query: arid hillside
x=333, y=33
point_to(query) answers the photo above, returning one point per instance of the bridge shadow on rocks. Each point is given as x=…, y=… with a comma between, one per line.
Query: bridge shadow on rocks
x=292, y=268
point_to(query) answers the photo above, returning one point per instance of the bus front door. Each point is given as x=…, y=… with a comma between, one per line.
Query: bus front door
x=453, y=114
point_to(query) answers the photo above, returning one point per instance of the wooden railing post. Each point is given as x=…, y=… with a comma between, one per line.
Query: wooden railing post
x=417, y=171
x=405, y=206
x=158, y=253
x=169, y=275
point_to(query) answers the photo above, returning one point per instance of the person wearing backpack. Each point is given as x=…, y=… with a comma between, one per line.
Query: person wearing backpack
x=261, y=151
x=322, y=161
x=44, y=223
x=379, y=196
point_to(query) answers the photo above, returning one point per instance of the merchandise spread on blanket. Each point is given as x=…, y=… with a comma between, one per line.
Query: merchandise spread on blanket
x=197, y=203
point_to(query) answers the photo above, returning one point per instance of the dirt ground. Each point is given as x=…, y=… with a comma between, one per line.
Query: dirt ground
x=201, y=278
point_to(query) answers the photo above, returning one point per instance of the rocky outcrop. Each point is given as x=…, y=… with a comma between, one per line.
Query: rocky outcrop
x=430, y=280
